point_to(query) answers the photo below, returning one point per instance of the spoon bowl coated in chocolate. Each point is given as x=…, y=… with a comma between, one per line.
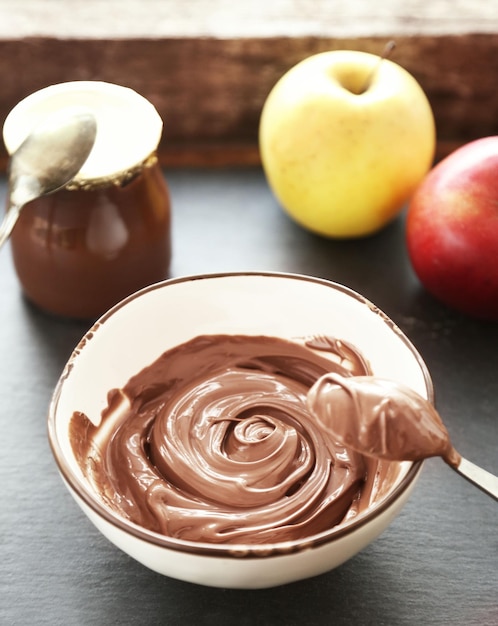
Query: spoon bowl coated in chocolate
x=384, y=419
x=50, y=157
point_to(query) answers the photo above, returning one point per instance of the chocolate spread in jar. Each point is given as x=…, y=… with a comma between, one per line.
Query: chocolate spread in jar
x=107, y=233
x=214, y=442
x=381, y=418
x=79, y=251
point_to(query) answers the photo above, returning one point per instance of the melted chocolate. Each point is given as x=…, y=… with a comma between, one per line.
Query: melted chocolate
x=214, y=442
x=381, y=418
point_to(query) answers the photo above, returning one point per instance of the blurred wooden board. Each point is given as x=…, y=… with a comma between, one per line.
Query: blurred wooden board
x=131, y=19
x=208, y=66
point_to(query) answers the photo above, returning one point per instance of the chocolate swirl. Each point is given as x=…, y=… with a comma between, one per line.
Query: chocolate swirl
x=214, y=442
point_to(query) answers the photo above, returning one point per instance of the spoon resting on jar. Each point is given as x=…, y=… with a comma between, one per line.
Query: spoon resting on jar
x=50, y=157
x=384, y=419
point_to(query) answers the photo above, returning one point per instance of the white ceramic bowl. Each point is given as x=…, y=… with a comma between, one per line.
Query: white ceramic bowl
x=136, y=331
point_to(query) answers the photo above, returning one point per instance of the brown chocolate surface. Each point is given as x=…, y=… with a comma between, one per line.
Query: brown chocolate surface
x=380, y=418
x=214, y=442
x=78, y=252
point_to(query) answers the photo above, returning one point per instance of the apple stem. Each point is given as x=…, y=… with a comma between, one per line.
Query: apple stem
x=388, y=48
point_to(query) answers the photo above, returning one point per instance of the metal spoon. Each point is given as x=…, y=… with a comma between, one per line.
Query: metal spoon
x=384, y=419
x=50, y=156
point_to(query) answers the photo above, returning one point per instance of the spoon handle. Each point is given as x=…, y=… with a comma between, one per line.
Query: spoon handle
x=8, y=223
x=479, y=477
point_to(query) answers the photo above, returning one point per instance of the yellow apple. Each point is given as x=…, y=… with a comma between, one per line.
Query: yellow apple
x=345, y=138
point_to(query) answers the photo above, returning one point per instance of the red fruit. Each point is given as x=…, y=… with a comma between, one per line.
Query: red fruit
x=452, y=229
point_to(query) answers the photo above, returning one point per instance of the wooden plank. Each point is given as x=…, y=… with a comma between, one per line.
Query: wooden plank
x=209, y=91
x=135, y=19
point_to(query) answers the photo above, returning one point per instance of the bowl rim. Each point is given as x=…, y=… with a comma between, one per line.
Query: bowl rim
x=243, y=550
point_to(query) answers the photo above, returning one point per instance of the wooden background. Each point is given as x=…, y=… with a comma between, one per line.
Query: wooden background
x=208, y=65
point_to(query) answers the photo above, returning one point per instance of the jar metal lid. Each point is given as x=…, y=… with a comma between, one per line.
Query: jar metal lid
x=129, y=127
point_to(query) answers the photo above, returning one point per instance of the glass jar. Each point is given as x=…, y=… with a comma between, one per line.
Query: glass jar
x=106, y=234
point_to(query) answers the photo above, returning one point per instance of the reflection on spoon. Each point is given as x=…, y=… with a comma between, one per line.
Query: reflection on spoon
x=385, y=419
x=50, y=156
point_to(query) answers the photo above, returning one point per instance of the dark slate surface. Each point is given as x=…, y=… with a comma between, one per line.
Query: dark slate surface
x=436, y=564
